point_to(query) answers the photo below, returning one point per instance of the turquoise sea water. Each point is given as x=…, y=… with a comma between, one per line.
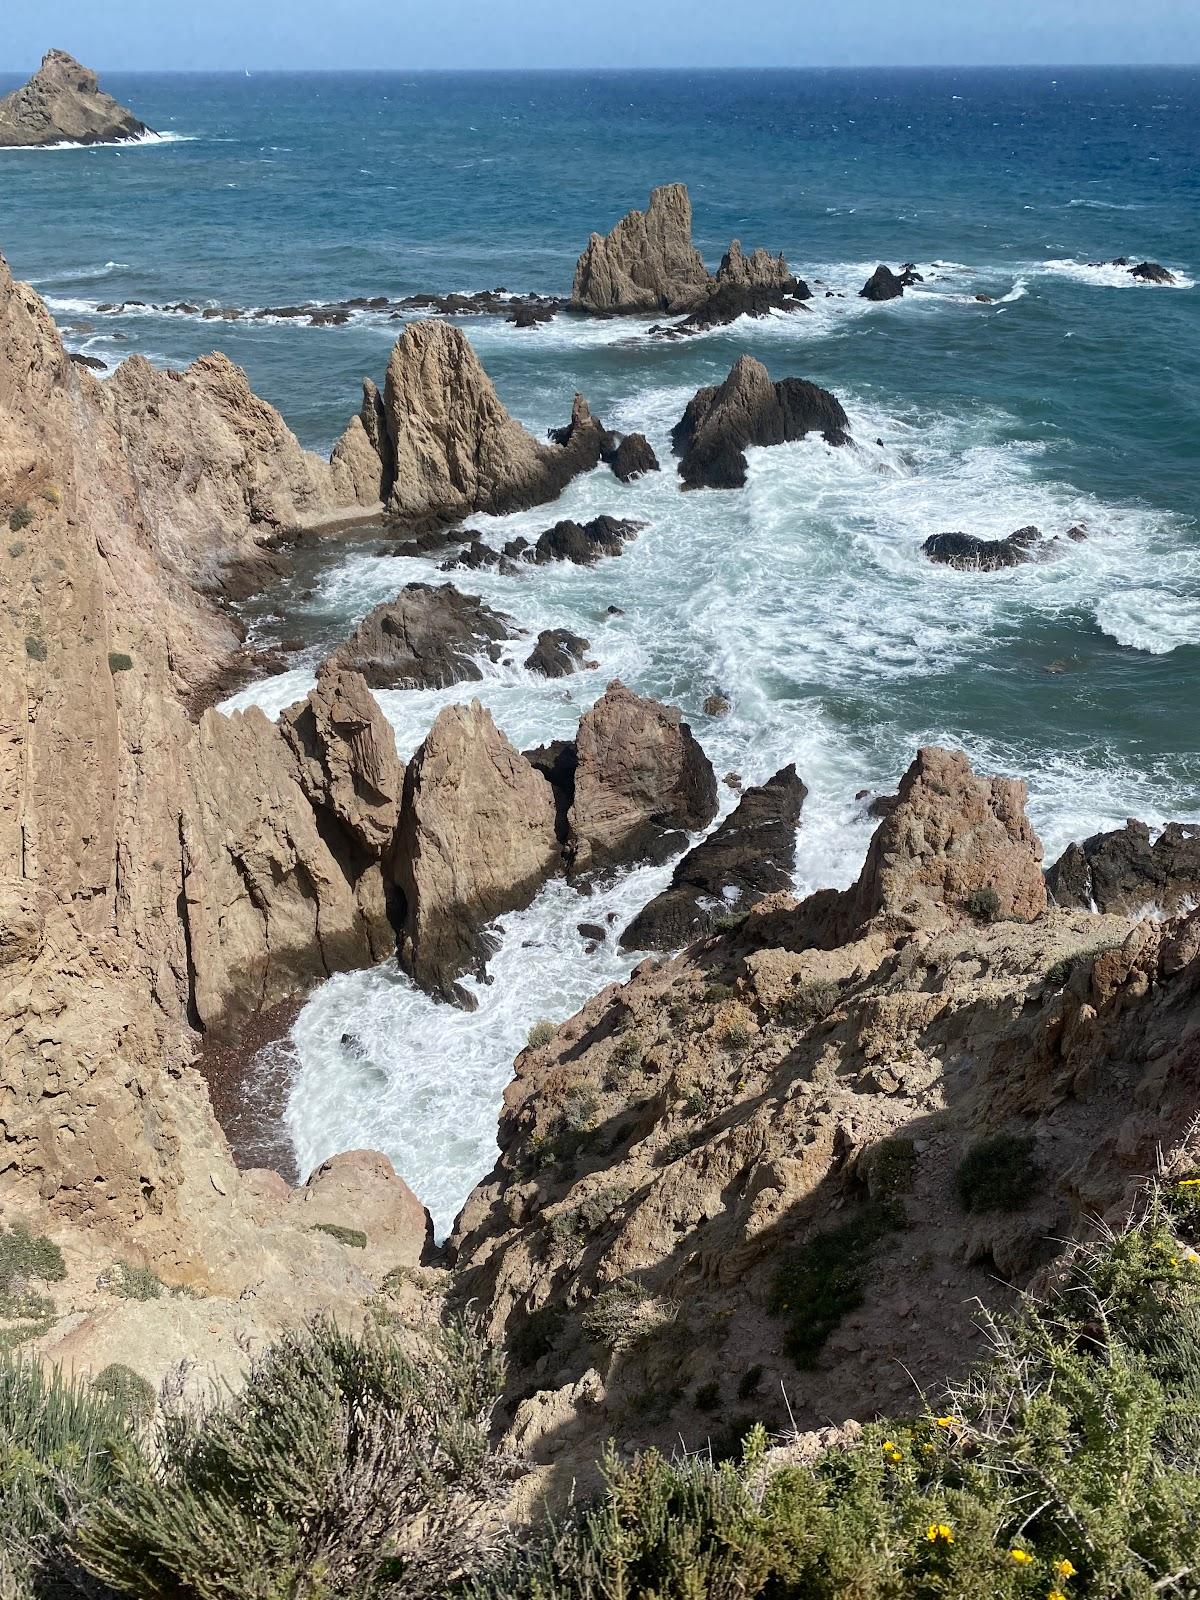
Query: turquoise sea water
x=1074, y=395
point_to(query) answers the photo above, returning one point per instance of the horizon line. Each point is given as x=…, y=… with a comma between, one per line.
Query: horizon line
x=872, y=66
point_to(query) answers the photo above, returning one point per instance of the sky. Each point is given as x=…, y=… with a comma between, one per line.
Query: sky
x=161, y=35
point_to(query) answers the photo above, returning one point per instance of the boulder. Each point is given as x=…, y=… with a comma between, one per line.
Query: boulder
x=557, y=653
x=967, y=554
x=476, y=839
x=883, y=284
x=364, y=459
x=426, y=638
x=632, y=457
x=1152, y=272
x=457, y=450
x=580, y=542
x=953, y=842
x=639, y=772
x=748, y=409
x=646, y=263
x=1124, y=873
x=63, y=104
x=750, y=855
x=360, y=1192
x=758, y=270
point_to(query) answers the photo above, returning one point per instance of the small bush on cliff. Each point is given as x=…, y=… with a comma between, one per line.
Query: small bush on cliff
x=129, y=1282
x=301, y=1483
x=26, y=1259
x=20, y=517
x=126, y=1389
x=823, y=1280
x=998, y=1174
x=35, y=647
x=540, y=1034
x=355, y=1238
x=984, y=904
x=118, y=661
x=627, y=1314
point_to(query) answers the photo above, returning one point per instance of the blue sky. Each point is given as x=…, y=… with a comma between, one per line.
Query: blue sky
x=167, y=34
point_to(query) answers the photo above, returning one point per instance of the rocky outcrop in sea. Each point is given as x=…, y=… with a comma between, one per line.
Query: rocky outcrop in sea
x=63, y=104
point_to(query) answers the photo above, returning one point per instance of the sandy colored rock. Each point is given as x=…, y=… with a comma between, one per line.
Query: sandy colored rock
x=476, y=839
x=457, y=450
x=639, y=769
x=63, y=104
x=748, y=409
x=219, y=473
x=426, y=638
x=953, y=835
x=647, y=262
x=360, y=1190
x=758, y=270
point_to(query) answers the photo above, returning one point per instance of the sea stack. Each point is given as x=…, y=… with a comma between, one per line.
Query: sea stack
x=63, y=104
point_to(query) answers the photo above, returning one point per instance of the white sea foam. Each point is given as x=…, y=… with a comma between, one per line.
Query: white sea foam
x=1102, y=274
x=142, y=141
x=1151, y=618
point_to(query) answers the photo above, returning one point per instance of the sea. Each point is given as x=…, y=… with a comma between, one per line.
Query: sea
x=1071, y=397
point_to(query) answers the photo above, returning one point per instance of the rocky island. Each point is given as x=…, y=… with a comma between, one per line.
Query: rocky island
x=63, y=103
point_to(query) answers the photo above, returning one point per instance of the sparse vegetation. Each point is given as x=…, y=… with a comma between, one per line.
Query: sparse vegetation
x=983, y=904
x=129, y=1282
x=536, y=1336
x=16, y=548
x=891, y=1167
x=1062, y=970
x=26, y=1259
x=807, y=1003
x=118, y=661
x=354, y=1237
x=750, y=1382
x=822, y=1281
x=19, y=517
x=541, y=1033
x=998, y=1174
x=35, y=647
x=708, y=1396
x=627, y=1314
x=126, y=1389
x=573, y=1225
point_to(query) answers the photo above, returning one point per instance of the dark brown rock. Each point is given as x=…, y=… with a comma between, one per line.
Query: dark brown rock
x=967, y=554
x=748, y=409
x=557, y=653
x=1123, y=872
x=750, y=855
x=426, y=638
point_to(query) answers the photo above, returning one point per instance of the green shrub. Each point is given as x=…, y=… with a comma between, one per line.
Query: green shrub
x=16, y=548
x=299, y=1485
x=983, y=904
x=118, y=661
x=35, y=647
x=541, y=1033
x=354, y=1237
x=807, y=1003
x=20, y=517
x=1062, y=970
x=126, y=1389
x=708, y=1396
x=128, y=1282
x=750, y=1381
x=60, y=1444
x=626, y=1314
x=998, y=1174
x=26, y=1259
x=891, y=1167
x=573, y=1225
x=822, y=1281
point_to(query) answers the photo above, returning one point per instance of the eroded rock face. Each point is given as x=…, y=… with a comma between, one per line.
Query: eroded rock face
x=63, y=103
x=1152, y=272
x=219, y=473
x=968, y=554
x=426, y=638
x=457, y=450
x=953, y=836
x=884, y=284
x=477, y=838
x=751, y=285
x=748, y=409
x=646, y=263
x=1124, y=872
x=750, y=855
x=639, y=771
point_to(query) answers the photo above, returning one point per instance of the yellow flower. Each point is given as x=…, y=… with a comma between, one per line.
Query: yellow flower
x=1021, y=1557
x=945, y=1422
x=1187, y=1183
x=1064, y=1568
x=1056, y=1594
x=939, y=1533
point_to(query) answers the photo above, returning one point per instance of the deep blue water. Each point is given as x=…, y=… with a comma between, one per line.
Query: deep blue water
x=1073, y=395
